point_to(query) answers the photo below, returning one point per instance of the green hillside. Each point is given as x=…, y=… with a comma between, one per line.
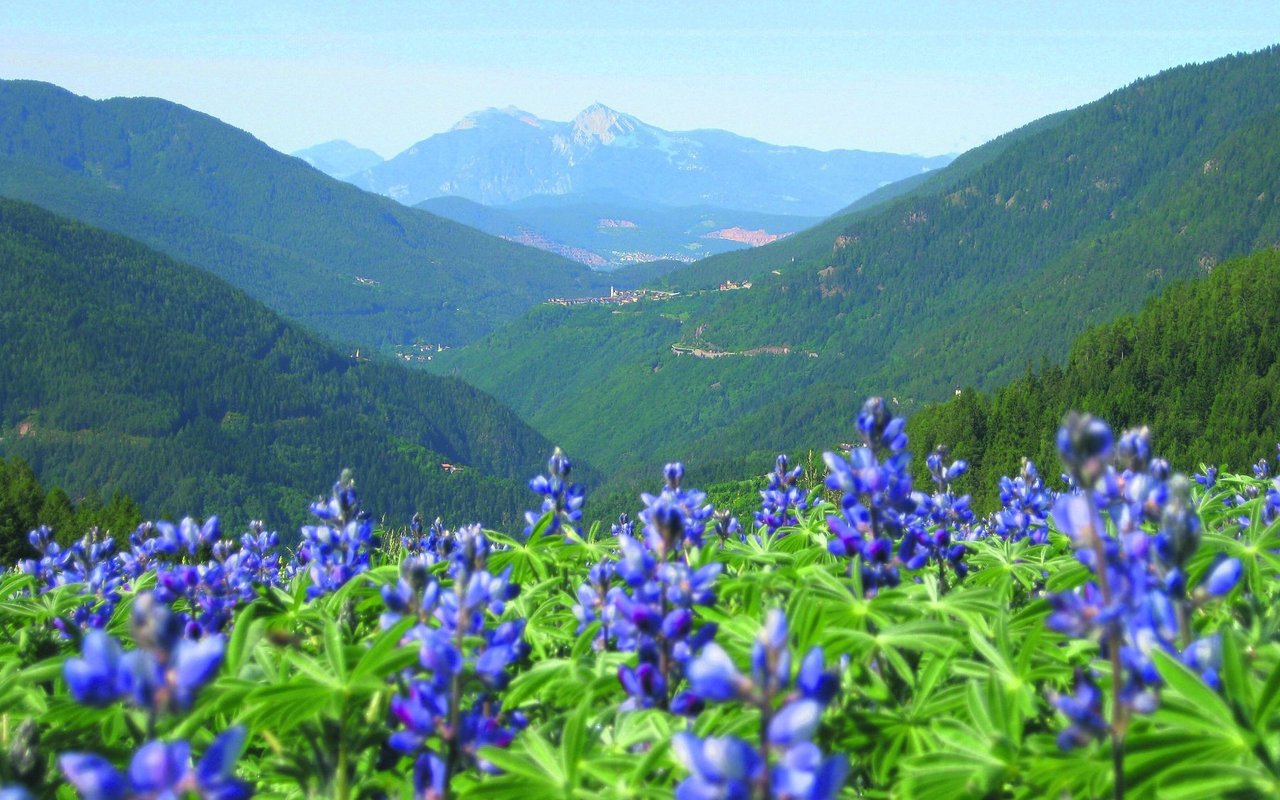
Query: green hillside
x=356, y=267
x=996, y=261
x=123, y=370
x=1200, y=365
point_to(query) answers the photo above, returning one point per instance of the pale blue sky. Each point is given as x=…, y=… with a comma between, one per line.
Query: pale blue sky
x=928, y=77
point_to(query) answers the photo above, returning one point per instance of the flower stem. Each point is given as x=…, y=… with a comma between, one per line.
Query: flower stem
x=1118, y=718
x=765, y=717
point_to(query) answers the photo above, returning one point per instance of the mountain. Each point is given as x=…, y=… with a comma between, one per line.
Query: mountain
x=338, y=158
x=123, y=370
x=357, y=268
x=1200, y=364
x=498, y=156
x=607, y=234
x=996, y=261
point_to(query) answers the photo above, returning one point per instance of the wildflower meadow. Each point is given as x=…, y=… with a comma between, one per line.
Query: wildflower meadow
x=1108, y=632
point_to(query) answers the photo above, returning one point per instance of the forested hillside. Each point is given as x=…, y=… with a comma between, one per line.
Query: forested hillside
x=25, y=503
x=1200, y=365
x=123, y=370
x=997, y=261
x=355, y=267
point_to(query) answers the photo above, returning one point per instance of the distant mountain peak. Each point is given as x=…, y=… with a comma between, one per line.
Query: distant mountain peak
x=501, y=155
x=478, y=118
x=339, y=158
x=601, y=123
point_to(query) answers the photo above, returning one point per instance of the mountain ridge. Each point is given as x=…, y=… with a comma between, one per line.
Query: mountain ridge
x=212, y=195
x=498, y=156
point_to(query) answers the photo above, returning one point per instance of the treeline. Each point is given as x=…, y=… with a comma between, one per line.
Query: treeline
x=25, y=504
x=1200, y=365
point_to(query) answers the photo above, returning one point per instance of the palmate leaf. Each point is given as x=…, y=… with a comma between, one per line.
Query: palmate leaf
x=563, y=683
x=968, y=606
x=1180, y=781
x=1266, y=714
x=281, y=708
x=531, y=560
x=973, y=754
x=384, y=655
x=550, y=626
x=1009, y=568
x=532, y=759
x=1083, y=772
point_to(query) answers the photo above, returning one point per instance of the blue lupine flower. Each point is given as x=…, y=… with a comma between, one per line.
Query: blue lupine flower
x=795, y=722
x=729, y=767
x=653, y=616
x=451, y=699
x=1084, y=710
x=802, y=772
x=624, y=525
x=720, y=768
x=782, y=500
x=652, y=613
x=1223, y=577
x=1209, y=478
x=726, y=526
x=593, y=603
x=1137, y=602
x=93, y=679
x=165, y=672
x=338, y=549
x=15, y=793
x=677, y=517
x=1084, y=443
x=562, y=500
x=162, y=770
x=713, y=676
x=878, y=503
x=94, y=777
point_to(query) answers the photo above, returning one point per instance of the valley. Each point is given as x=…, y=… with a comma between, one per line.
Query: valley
x=622, y=455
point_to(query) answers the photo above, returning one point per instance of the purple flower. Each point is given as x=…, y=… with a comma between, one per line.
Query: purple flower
x=1084, y=711
x=802, y=773
x=338, y=549
x=1223, y=577
x=160, y=770
x=93, y=679
x=1084, y=443
x=782, y=500
x=713, y=676
x=730, y=767
x=719, y=768
x=562, y=501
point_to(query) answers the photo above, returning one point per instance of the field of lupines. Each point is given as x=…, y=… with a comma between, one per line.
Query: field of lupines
x=866, y=638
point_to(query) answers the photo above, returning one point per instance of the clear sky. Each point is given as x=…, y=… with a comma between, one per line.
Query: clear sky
x=924, y=77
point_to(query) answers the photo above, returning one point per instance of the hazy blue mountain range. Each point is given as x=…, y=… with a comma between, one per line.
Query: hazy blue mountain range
x=123, y=369
x=498, y=156
x=998, y=260
x=356, y=267
x=609, y=233
x=338, y=157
